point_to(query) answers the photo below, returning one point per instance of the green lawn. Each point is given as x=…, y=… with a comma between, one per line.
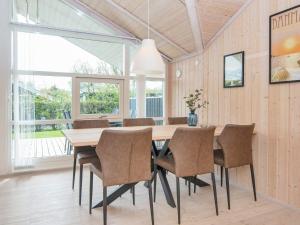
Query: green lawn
x=47, y=134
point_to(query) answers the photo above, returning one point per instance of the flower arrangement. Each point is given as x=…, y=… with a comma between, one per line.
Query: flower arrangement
x=194, y=101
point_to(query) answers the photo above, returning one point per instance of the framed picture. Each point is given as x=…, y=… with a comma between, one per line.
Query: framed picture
x=284, y=46
x=234, y=70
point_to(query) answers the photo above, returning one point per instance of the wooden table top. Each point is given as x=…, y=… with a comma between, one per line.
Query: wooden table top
x=90, y=137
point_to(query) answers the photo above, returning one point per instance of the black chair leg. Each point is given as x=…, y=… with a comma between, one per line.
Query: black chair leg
x=253, y=181
x=80, y=183
x=74, y=171
x=195, y=185
x=215, y=192
x=91, y=192
x=178, y=198
x=227, y=187
x=104, y=205
x=189, y=187
x=151, y=202
x=222, y=169
x=155, y=181
x=133, y=195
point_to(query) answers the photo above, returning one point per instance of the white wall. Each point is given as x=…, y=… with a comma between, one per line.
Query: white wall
x=5, y=63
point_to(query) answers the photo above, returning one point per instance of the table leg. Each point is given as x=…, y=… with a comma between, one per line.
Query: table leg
x=166, y=187
x=196, y=181
x=116, y=194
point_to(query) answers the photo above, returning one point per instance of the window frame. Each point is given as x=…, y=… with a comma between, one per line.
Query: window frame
x=76, y=97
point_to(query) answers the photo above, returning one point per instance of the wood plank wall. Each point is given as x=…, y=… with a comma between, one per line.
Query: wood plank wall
x=274, y=108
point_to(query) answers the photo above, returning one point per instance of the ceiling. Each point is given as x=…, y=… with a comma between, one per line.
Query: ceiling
x=176, y=27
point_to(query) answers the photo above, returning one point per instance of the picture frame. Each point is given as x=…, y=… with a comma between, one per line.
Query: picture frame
x=233, y=70
x=284, y=46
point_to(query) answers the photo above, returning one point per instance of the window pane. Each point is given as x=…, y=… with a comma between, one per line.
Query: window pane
x=56, y=13
x=99, y=98
x=42, y=97
x=132, y=100
x=154, y=98
x=39, y=52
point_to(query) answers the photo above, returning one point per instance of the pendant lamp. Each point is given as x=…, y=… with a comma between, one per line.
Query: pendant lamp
x=148, y=60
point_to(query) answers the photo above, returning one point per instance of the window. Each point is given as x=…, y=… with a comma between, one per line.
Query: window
x=40, y=52
x=57, y=14
x=154, y=98
x=132, y=99
x=60, y=74
x=98, y=97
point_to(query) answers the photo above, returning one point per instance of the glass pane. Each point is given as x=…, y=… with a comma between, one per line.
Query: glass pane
x=154, y=98
x=99, y=98
x=37, y=141
x=43, y=97
x=132, y=100
x=38, y=101
x=56, y=13
x=39, y=52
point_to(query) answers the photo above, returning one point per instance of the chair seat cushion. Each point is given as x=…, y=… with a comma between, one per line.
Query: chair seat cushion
x=167, y=162
x=219, y=157
x=95, y=167
x=85, y=157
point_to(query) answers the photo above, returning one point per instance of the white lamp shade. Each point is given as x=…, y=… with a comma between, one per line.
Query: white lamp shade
x=147, y=60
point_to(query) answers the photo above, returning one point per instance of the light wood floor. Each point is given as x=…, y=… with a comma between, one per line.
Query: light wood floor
x=47, y=198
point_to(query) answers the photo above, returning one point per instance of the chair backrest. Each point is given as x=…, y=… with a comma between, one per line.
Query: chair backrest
x=125, y=156
x=90, y=123
x=192, y=149
x=177, y=120
x=132, y=122
x=236, y=142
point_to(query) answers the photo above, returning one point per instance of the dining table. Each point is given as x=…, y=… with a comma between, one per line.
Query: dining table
x=91, y=136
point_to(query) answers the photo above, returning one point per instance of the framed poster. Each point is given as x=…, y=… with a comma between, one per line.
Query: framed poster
x=284, y=46
x=234, y=70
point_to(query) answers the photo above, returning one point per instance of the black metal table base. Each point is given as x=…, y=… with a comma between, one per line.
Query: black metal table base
x=116, y=194
x=197, y=181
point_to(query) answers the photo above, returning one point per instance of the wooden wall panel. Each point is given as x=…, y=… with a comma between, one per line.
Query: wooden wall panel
x=274, y=108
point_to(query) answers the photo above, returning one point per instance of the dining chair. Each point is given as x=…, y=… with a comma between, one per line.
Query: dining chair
x=132, y=122
x=85, y=154
x=124, y=158
x=236, y=150
x=177, y=120
x=192, y=154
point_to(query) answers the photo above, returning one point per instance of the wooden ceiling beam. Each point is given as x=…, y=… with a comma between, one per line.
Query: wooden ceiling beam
x=193, y=13
x=137, y=19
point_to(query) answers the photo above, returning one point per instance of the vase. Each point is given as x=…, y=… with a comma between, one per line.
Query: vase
x=192, y=119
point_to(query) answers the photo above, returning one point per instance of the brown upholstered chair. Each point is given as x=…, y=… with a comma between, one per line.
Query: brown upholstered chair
x=236, y=144
x=177, y=120
x=132, y=122
x=125, y=158
x=135, y=122
x=192, y=154
x=85, y=154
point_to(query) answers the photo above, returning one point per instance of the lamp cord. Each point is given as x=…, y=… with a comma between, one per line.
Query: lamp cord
x=148, y=19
